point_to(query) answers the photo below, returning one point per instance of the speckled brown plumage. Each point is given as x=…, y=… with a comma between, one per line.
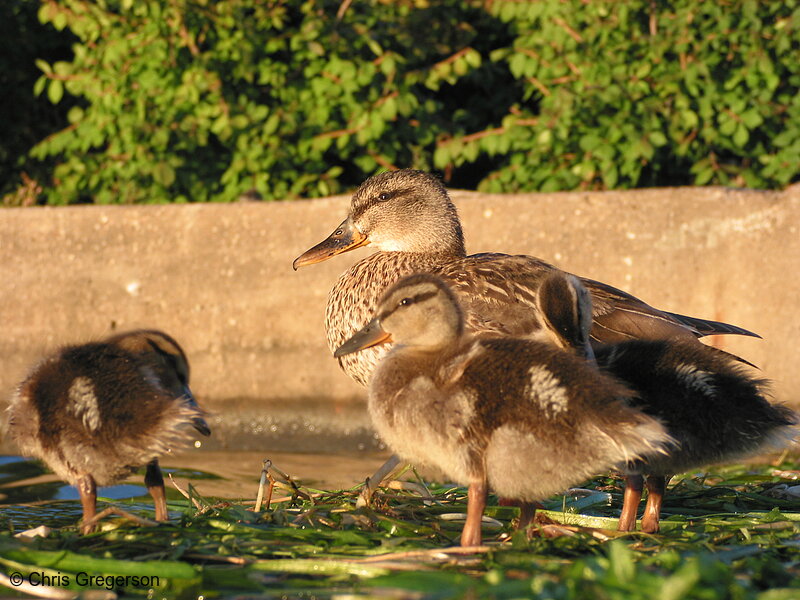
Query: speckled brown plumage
x=96, y=412
x=409, y=218
x=517, y=415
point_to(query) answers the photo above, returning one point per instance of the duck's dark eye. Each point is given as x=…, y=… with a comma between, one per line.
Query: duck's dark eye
x=406, y=302
x=384, y=196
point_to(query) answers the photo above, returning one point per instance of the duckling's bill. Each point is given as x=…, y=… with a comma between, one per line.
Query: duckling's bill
x=371, y=335
x=198, y=421
x=344, y=238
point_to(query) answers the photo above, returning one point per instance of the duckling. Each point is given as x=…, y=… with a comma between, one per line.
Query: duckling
x=408, y=217
x=509, y=414
x=96, y=412
x=711, y=405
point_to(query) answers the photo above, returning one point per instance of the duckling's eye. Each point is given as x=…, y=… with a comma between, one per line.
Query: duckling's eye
x=384, y=196
x=406, y=302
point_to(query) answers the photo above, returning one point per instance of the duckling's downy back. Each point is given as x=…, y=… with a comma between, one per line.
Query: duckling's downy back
x=716, y=409
x=567, y=422
x=106, y=408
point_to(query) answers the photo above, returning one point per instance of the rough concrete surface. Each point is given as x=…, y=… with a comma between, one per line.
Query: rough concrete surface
x=219, y=279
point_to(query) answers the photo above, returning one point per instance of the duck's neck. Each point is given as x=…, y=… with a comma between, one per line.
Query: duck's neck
x=390, y=266
x=450, y=245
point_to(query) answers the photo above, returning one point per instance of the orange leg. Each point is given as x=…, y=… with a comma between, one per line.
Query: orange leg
x=476, y=503
x=630, y=502
x=155, y=485
x=88, y=493
x=656, y=486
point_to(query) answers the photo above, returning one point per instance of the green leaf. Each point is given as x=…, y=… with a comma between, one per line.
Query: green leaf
x=39, y=86
x=589, y=142
x=679, y=584
x=689, y=119
x=473, y=58
x=657, y=138
x=75, y=114
x=441, y=157
x=741, y=136
x=388, y=109
x=727, y=125
x=751, y=118
x=44, y=66
x=59, y=20
x=55, y=91
x=622, y=563
x=164, y=174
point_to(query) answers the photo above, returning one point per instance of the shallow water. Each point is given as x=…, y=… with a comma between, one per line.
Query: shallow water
x=319, y=444
x=30, y=495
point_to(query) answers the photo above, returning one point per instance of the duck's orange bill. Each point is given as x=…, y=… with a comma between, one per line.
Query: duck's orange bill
x=371, y=335
x=345, y=237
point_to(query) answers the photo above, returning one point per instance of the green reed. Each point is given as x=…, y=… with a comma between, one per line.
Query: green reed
x=732, y=533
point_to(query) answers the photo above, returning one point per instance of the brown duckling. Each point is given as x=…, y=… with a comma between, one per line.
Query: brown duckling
x=409, y=218
x=94, y=413
x=710, y=403
x=508, y=414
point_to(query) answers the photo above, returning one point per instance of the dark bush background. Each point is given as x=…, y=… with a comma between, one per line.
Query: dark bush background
x=123, y=101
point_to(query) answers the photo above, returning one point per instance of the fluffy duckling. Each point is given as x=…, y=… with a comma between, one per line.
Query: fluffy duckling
x=508, y=414
x=94, y=413
x=408, y=217
x=708, y=400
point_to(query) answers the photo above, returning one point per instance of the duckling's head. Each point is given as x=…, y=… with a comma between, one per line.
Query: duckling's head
x=395, y=211
x=418, y=312
x=160, y=351
x=165, y=362
x=566, y=309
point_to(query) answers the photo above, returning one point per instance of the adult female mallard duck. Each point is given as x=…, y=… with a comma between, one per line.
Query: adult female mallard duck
x=409, y=218
x=710, y=404
x=94, y=413
x=508, y=414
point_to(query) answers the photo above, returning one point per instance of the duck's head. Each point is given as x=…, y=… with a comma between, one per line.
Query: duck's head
x=395, y=211
x=418, y=311
x=565, y=306
x=165, y=361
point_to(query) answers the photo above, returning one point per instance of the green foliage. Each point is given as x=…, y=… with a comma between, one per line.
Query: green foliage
x=624, y=94
x=26, y=119
x=733, y=540
x=202, y=101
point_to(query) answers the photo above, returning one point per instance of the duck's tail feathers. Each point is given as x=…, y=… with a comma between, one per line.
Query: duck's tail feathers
x=704, y=327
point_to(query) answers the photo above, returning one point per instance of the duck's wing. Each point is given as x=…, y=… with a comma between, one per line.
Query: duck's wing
x=619, y=316
x=497, y=292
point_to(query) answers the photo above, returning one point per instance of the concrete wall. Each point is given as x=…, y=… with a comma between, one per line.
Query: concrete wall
x=219, y=277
